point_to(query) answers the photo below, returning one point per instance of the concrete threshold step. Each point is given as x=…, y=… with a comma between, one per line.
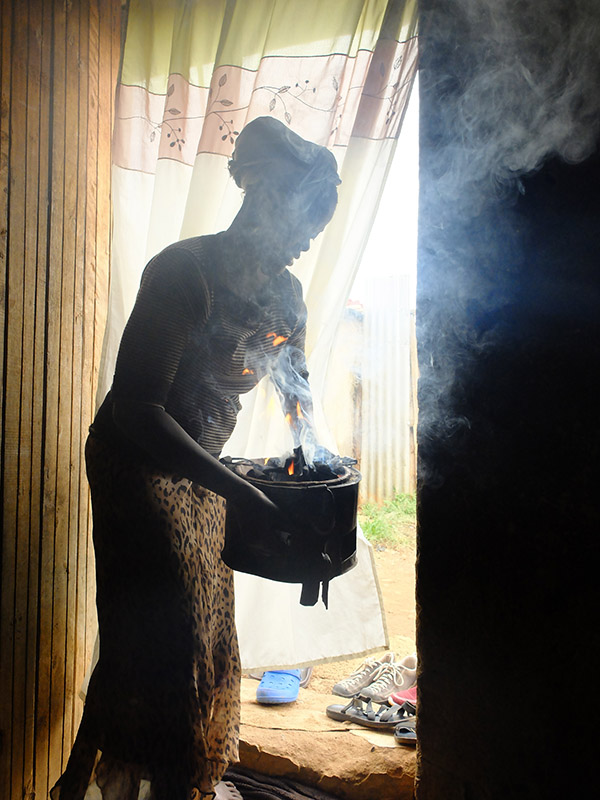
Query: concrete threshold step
x=299, y=741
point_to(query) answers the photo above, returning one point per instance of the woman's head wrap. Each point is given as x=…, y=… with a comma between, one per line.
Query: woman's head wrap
x=268, y=152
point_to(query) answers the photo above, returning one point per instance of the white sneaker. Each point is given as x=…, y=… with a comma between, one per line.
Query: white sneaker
x=391, y=678
x=363, y=676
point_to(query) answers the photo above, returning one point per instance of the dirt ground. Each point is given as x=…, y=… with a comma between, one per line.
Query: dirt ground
x=396, y=572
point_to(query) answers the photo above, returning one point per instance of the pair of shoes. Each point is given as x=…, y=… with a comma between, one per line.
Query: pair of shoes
x=405, y=731
x=280, y=686
x=362, y=712
x=362, y=677
x=390, y=678
x=409, y=694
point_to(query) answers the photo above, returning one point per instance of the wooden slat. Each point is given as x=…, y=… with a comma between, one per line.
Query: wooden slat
x=36, y=188
x=8, y=585
x=5, y=102
x=46, y=444
x=70, y=363
x=16, y=533
x=106, y=74
x=54, y=495
x=42, y=707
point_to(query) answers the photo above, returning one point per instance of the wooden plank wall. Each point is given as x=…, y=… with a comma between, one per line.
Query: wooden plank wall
x=59, y=66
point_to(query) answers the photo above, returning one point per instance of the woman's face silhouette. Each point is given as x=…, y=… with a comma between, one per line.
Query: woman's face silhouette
x=288, y=224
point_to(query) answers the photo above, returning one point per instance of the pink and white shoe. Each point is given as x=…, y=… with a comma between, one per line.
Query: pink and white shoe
x=406, y=694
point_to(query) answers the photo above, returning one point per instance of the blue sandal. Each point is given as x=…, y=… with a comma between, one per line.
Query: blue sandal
x=278, y=686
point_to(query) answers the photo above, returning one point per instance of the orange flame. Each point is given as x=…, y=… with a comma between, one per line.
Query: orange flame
x=288, y=418
x=291, y=468
x=247, y=371
x=276, y=339
x=299, y=413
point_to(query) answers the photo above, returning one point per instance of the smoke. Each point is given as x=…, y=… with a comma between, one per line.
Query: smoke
x=526, y=90
x=506, y=85
x=288, y=374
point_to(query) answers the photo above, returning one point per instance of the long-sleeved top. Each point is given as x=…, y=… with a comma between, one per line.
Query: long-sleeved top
x=192, y=345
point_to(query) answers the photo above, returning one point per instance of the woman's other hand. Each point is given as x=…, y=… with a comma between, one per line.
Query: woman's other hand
x=263, y=515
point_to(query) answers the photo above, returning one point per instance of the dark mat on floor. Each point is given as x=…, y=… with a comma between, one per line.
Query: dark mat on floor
x=255, y=786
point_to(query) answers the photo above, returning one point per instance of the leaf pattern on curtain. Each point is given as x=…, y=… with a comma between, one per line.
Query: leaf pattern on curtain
x=387, y=89
x=326, y=99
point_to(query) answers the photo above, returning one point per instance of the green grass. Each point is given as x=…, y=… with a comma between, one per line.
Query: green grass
x=391, y=524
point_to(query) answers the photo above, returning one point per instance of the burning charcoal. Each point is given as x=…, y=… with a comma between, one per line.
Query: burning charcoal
x=293, y=468
x=323, y=472
x=257, y=473
x=301, y=468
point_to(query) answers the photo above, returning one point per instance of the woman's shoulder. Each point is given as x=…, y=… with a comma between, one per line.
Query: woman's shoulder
x=180, y=273
x=184, y=262
x=183, y=254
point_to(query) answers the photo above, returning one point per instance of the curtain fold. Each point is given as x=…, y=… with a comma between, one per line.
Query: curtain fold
x=193, y=74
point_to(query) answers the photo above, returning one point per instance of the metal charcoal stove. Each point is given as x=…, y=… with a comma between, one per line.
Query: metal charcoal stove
x=319, y=505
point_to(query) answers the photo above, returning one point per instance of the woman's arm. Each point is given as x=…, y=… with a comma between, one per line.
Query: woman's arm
x=173, y=300
x=154, y=430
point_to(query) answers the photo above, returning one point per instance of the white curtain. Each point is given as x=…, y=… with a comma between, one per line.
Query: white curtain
x=194, y=73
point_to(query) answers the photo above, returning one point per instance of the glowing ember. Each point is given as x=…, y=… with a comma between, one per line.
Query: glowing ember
x=299, y=413
x=247, y=371
x=276, y=339
x=293, y=467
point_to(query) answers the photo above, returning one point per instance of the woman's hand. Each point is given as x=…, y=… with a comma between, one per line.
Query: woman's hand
x=263, y=515
x=258, y=506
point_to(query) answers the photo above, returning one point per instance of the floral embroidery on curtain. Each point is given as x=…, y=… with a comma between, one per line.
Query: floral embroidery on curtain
x=326, y=98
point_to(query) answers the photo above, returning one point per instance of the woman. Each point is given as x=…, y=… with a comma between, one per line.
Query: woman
x=213, y=315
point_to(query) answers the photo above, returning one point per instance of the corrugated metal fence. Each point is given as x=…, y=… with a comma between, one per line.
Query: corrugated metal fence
x=370, y=399
x=387, y=458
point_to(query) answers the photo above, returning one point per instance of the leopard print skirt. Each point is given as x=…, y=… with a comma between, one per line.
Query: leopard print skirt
x=163, y=700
